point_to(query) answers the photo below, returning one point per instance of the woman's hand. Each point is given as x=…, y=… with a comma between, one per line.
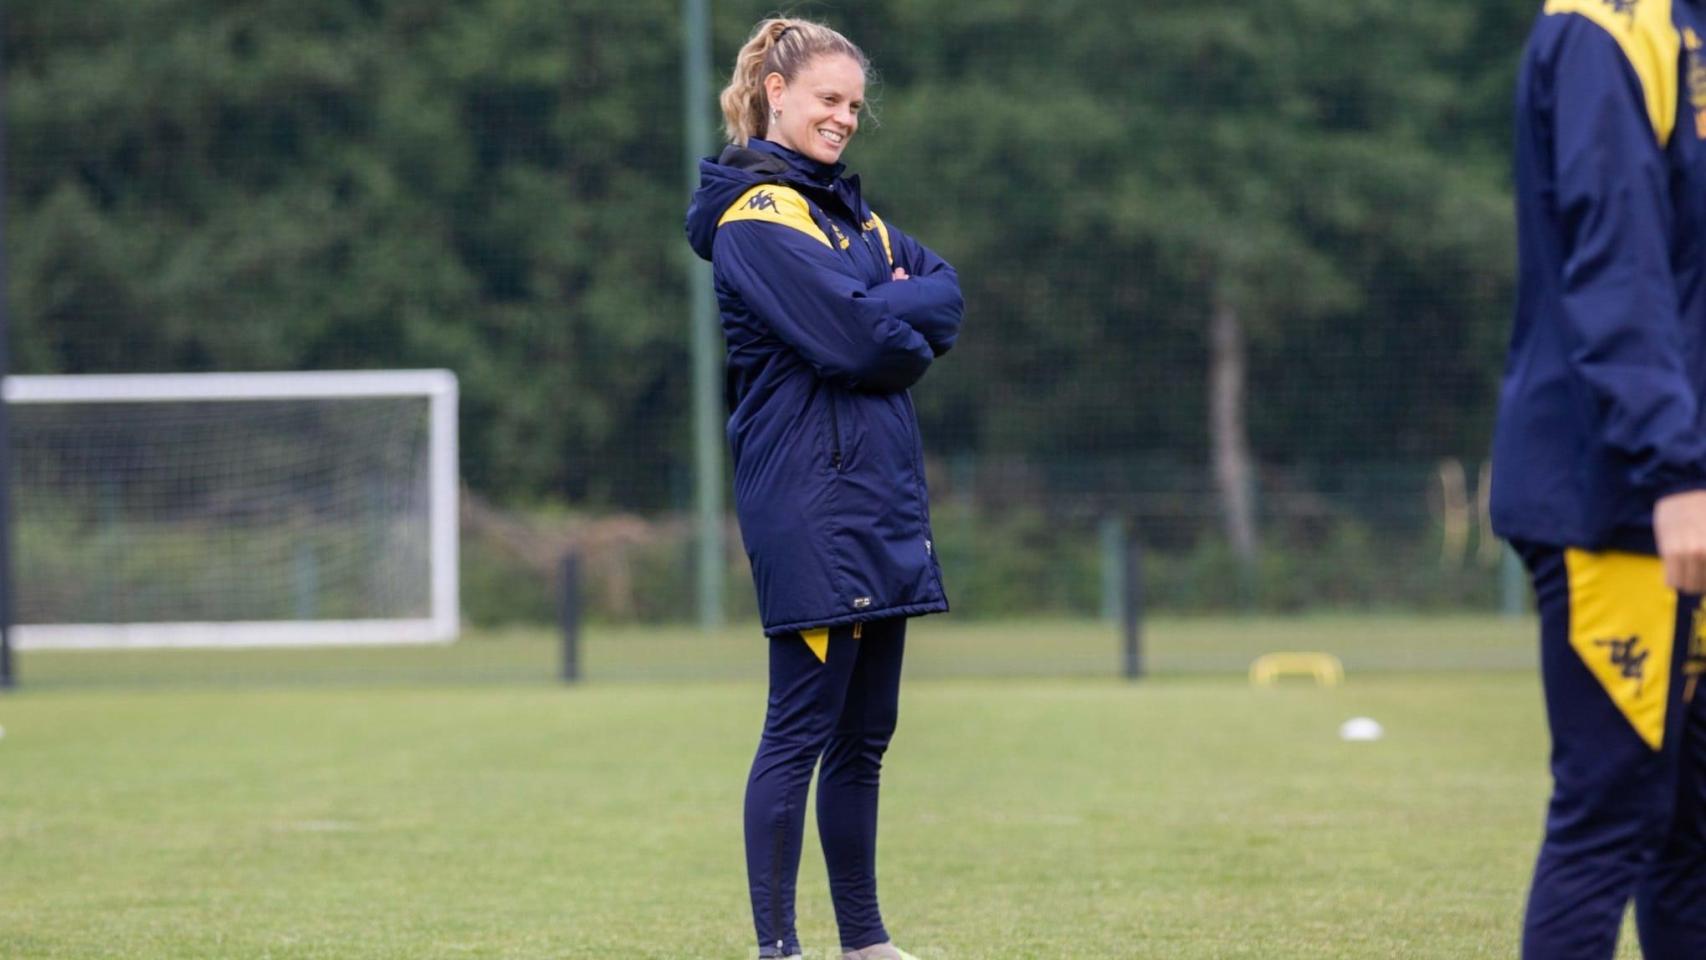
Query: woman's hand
x=900, y=273
x=1679, y=526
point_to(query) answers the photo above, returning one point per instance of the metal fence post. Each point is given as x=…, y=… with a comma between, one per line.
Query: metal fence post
x=1132, y=609
x=8, y=677
x=1112, y=538
x=569, y=614
x=705, y=335
x=1513, y=585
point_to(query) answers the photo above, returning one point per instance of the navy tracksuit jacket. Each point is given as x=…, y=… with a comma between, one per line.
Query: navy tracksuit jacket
x=1600, y=415
x=1600, y=409
x=822, y=346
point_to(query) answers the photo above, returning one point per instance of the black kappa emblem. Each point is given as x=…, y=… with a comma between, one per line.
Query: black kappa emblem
x=1624, y=7
x=1628, y=657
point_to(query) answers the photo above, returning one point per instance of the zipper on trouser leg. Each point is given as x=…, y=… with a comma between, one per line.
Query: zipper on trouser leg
x=776, y=887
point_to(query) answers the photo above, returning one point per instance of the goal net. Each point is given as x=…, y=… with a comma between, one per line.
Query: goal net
x=258, y=509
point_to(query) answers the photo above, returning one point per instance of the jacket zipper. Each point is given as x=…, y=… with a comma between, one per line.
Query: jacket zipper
x=834, y=432
x=881, y=258
x=918, y=479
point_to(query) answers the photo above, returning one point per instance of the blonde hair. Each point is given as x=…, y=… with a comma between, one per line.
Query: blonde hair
x=781, y=46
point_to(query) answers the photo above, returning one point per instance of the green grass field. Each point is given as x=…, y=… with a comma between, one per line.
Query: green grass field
x=1189, y=816
x=939, y=647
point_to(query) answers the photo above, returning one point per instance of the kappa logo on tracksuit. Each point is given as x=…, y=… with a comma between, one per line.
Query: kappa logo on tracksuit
x=1624, y=7
x=1628, y=657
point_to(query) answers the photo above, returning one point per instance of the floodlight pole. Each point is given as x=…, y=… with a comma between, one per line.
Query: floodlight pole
x=8, y=678
x=707, y=366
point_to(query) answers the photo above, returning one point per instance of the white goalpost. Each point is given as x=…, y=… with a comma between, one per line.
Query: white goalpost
x=234, y=510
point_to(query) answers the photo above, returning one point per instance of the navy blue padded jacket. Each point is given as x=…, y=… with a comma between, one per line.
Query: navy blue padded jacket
x=822, y=347
x=1600, y=412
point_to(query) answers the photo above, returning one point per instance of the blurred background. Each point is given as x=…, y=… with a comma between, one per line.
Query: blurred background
x=1238, y=278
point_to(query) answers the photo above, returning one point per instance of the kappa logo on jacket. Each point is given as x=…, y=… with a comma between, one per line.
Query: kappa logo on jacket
x=779, y=205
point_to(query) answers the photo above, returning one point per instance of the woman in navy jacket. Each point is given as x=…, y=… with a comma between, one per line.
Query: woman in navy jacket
x=830, y=315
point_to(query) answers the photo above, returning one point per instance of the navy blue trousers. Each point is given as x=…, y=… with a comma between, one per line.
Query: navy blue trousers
x=1620, y=657
x=833, y=697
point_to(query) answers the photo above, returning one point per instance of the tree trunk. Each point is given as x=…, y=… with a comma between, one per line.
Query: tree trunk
x=1234, y=473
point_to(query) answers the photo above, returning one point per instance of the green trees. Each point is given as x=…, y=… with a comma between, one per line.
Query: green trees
x=1105, y=173
x=494, y=186
x=486, y=186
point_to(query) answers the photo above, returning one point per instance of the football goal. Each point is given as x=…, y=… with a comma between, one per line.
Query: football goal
x=223, y=510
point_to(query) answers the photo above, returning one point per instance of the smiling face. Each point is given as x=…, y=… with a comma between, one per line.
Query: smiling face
x=820, y=107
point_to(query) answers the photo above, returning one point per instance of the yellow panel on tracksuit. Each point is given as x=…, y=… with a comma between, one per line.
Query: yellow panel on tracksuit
x=777, y=204
x=1650, y=42
x=876, y=223
x=1623, y=626
x=818, y=641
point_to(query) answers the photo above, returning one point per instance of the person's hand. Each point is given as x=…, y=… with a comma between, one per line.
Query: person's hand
x=900, y=273
x=1679, y=526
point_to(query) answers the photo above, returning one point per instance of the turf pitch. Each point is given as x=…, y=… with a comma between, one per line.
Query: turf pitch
x=1188, y=816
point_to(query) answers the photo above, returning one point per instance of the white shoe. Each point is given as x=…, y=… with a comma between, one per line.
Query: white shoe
x=879, y=951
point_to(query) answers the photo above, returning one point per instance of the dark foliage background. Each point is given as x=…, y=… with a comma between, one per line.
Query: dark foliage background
x=496, y=187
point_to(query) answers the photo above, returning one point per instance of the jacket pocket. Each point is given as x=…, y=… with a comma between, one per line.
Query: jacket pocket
x=834, y=431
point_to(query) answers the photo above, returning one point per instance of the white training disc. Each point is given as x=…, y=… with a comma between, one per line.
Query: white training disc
x=1361, y=729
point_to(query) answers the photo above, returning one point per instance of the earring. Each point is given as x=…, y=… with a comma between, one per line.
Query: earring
x=775, y=114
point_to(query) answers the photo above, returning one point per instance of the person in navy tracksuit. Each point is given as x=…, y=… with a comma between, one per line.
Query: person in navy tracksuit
x=1599, y=465
x=830, y=315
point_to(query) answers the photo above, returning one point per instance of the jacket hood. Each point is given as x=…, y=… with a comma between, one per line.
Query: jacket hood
x=737, y=170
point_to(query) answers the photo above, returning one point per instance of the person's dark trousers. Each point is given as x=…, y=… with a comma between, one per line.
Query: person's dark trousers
x=834, y=695
x=1620, y=655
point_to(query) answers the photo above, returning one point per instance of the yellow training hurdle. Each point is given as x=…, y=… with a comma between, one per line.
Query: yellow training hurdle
x=1324, y=667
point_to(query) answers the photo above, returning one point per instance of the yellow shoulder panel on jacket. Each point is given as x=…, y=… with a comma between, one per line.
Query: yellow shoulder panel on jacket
x=775, y=204
x=883, y=232
x=1643, y=29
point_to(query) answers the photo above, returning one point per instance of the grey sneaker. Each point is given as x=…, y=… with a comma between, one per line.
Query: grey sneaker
x=878, y=951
